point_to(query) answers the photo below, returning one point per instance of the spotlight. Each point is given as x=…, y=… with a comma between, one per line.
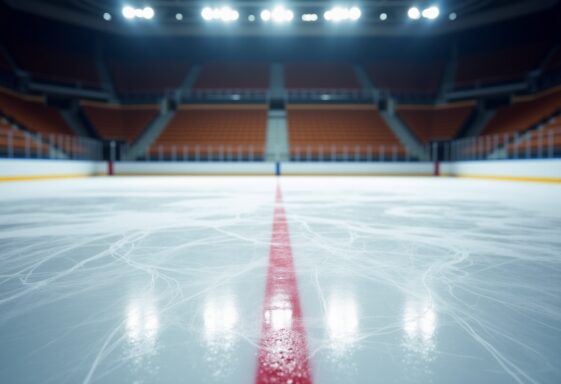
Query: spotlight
x=453, y=16
x=228, y=14
x=224, y=14
x=207, y=13
x=309, y=17
x=148, y=13
x=383, y=16
x=414, y=13
x=279, y=14
x=265, y=15
x=354, y=13
x=251, y=18
x=128, y=12
x=431, y=13
x=337, y=14
x=107, y=16
x=178, y=16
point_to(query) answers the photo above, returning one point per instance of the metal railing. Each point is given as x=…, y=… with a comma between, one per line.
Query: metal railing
x=199, y=152
x=541, y=143
x=537, y=144
x=253, y=152
x=20, y=144
x=350, y=152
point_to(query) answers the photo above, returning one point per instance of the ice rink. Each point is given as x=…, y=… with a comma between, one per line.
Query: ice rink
x=289, y=280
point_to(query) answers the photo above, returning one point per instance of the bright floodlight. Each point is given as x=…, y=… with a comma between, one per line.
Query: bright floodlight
x=309, y=17
x=414, y=13
x=224, y=14
x=383, y=16
x=337, y=14
x=227, y=14
x=431, y=13
x=280, y=14
x=354, y=13
x=148, y=13
x=107, y=16
x=265, y=15
x=179, y=16
x=207, y=13
x=128, y=12
x=251, y=18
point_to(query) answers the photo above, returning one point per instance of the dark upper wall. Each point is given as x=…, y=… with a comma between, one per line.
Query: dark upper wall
x=16, y=26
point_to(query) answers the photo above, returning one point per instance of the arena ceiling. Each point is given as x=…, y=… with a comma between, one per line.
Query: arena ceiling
x=183, y=17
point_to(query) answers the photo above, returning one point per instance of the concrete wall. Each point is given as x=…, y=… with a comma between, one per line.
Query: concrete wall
x=543, y=169
x=14, y=169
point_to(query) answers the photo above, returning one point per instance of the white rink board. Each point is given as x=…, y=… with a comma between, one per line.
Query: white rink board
x=542, y=168
x=383, y=168
x=45, y=168
x=186, y=168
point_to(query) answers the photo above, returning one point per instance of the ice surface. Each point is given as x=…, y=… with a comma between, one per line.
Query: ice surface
x=162, y=280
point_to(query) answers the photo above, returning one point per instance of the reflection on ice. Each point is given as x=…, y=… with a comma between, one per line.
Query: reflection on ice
x=221, y=322
x=220, y=319
x=342, y=322
x=280, y=315
x=419, y=326
x=142, y=323
x=142, y=327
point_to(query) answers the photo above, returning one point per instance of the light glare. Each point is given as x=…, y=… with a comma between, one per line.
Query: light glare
x=309, y=17
x=431, y=13
x=337, y=14
x=414, y=13
x=265, y=15
x=148, y=13
x=128, y=12
x=225, y=14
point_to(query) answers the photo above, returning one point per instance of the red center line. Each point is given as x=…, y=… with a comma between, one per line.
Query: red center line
x=283, y=352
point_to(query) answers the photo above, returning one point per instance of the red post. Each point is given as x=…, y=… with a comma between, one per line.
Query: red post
x=437, y=168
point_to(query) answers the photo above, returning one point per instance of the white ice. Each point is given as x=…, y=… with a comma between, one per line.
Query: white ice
x=161, y=280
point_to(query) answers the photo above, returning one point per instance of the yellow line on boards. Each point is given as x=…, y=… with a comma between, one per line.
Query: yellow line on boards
x=511, y=178
x=44, y=177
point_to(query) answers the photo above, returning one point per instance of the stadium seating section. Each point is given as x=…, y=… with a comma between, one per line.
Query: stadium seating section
x=233, y=76
x=148, y=76
x=214, y=131
x=31, y=113
x=406, y=78
x=430, y=123
x=121, y=123
x=320, y=76
x=56, y=65
x=524, y=113
x=499, y=66
x=313, y=130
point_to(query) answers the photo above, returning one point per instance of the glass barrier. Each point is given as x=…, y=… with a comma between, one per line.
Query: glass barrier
x=20, y=144
x=537, y=144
